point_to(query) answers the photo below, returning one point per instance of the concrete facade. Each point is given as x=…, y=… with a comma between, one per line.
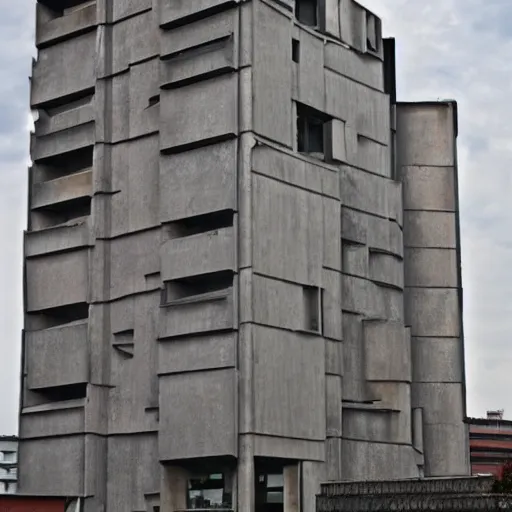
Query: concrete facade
x=8, y=464
x=242, y=269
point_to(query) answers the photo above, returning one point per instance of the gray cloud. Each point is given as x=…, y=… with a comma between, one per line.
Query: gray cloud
x=445, y=49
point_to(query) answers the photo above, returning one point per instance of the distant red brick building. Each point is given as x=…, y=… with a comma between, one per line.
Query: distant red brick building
x=490, y=443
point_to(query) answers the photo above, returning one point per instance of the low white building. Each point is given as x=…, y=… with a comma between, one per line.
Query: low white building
x=8, y=464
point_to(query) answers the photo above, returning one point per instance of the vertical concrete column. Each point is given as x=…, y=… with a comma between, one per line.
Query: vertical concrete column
x=426, y=147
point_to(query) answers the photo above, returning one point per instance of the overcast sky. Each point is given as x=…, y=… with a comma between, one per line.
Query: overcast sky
x=446, y=49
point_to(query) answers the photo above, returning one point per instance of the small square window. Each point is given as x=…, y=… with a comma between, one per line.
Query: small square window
x=306, y=11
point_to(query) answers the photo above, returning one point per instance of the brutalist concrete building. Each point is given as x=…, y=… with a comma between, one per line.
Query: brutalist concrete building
x=242, y=259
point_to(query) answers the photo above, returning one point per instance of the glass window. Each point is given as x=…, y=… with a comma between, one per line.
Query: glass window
x=208, y=492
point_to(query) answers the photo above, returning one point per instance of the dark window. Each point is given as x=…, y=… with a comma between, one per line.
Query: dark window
x=195, y=286
x=208, y=492
x=295, y=50
x=306, y=11
x=372, y=33
x=312, y=309
x=310, y=131
x=200, y=224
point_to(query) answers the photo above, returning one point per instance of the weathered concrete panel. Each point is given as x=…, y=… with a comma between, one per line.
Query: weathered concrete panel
x=198, y=181
x=292, y=169
x=61, y=238
x=57, y=143
x=62, y=479
x=288, y=369
x=57, y=357
x=177, y=13
x=331, y=304
x=436, y=268
x=272, y=106
x=387, y=269
x=216, y=314
x=126, y=8
x=425, y=134
x=199, y=254
x=67, y=188
x=332, y=234
x=311, y=71
x=354, y=65
x=186, y=113
x=429, y=188
x=58, y=422
x=377, y=461
x=133, y=367
x=71, y=115
x=287, y=448
x=364, y=191
x=133, y=40
x=371, y=425
x=446, y=450
x=356, y=260
x=441, y=402
x=437, y=360
x=133, y=116
x=366, y=298
x=49, y=29
x=132, y=258
x=430, y=229
x=199, y=63
x=387, y=351
x=287, y=232
x=354, y=385
x=277, y=303
x=363, y=108
x=133, y=471
x=57, y=280
x=333, y=398
x=375, y=232
x=433, y=312
x=135, y=181
x=333, y=357
x=198, y=33
x=198, y=353
x=207, y=423
x=63, y=69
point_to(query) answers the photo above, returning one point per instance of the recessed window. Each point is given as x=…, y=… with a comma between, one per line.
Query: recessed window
x=295, y=50
x=372, y=32
x=208, y=492
x=306, y=11
x=312, y=309
x=310, y=131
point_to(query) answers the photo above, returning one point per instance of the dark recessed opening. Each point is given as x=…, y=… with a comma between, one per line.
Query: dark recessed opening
x=312, y=309
x=372, y=33
x=295, y=50
x=62, y=315
x=64, y=164
x=310, y=131
x=61, y=213
x=201, y=224
x=306, y=11
x=64, y=393
x=198, y=285
x=154, y=100
x=60, y=6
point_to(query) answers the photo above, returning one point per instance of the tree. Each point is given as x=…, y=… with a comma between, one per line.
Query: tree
x=504, y=484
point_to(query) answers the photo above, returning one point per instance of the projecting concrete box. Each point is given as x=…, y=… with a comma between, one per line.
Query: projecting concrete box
x=57, y=357
x=206, y=424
